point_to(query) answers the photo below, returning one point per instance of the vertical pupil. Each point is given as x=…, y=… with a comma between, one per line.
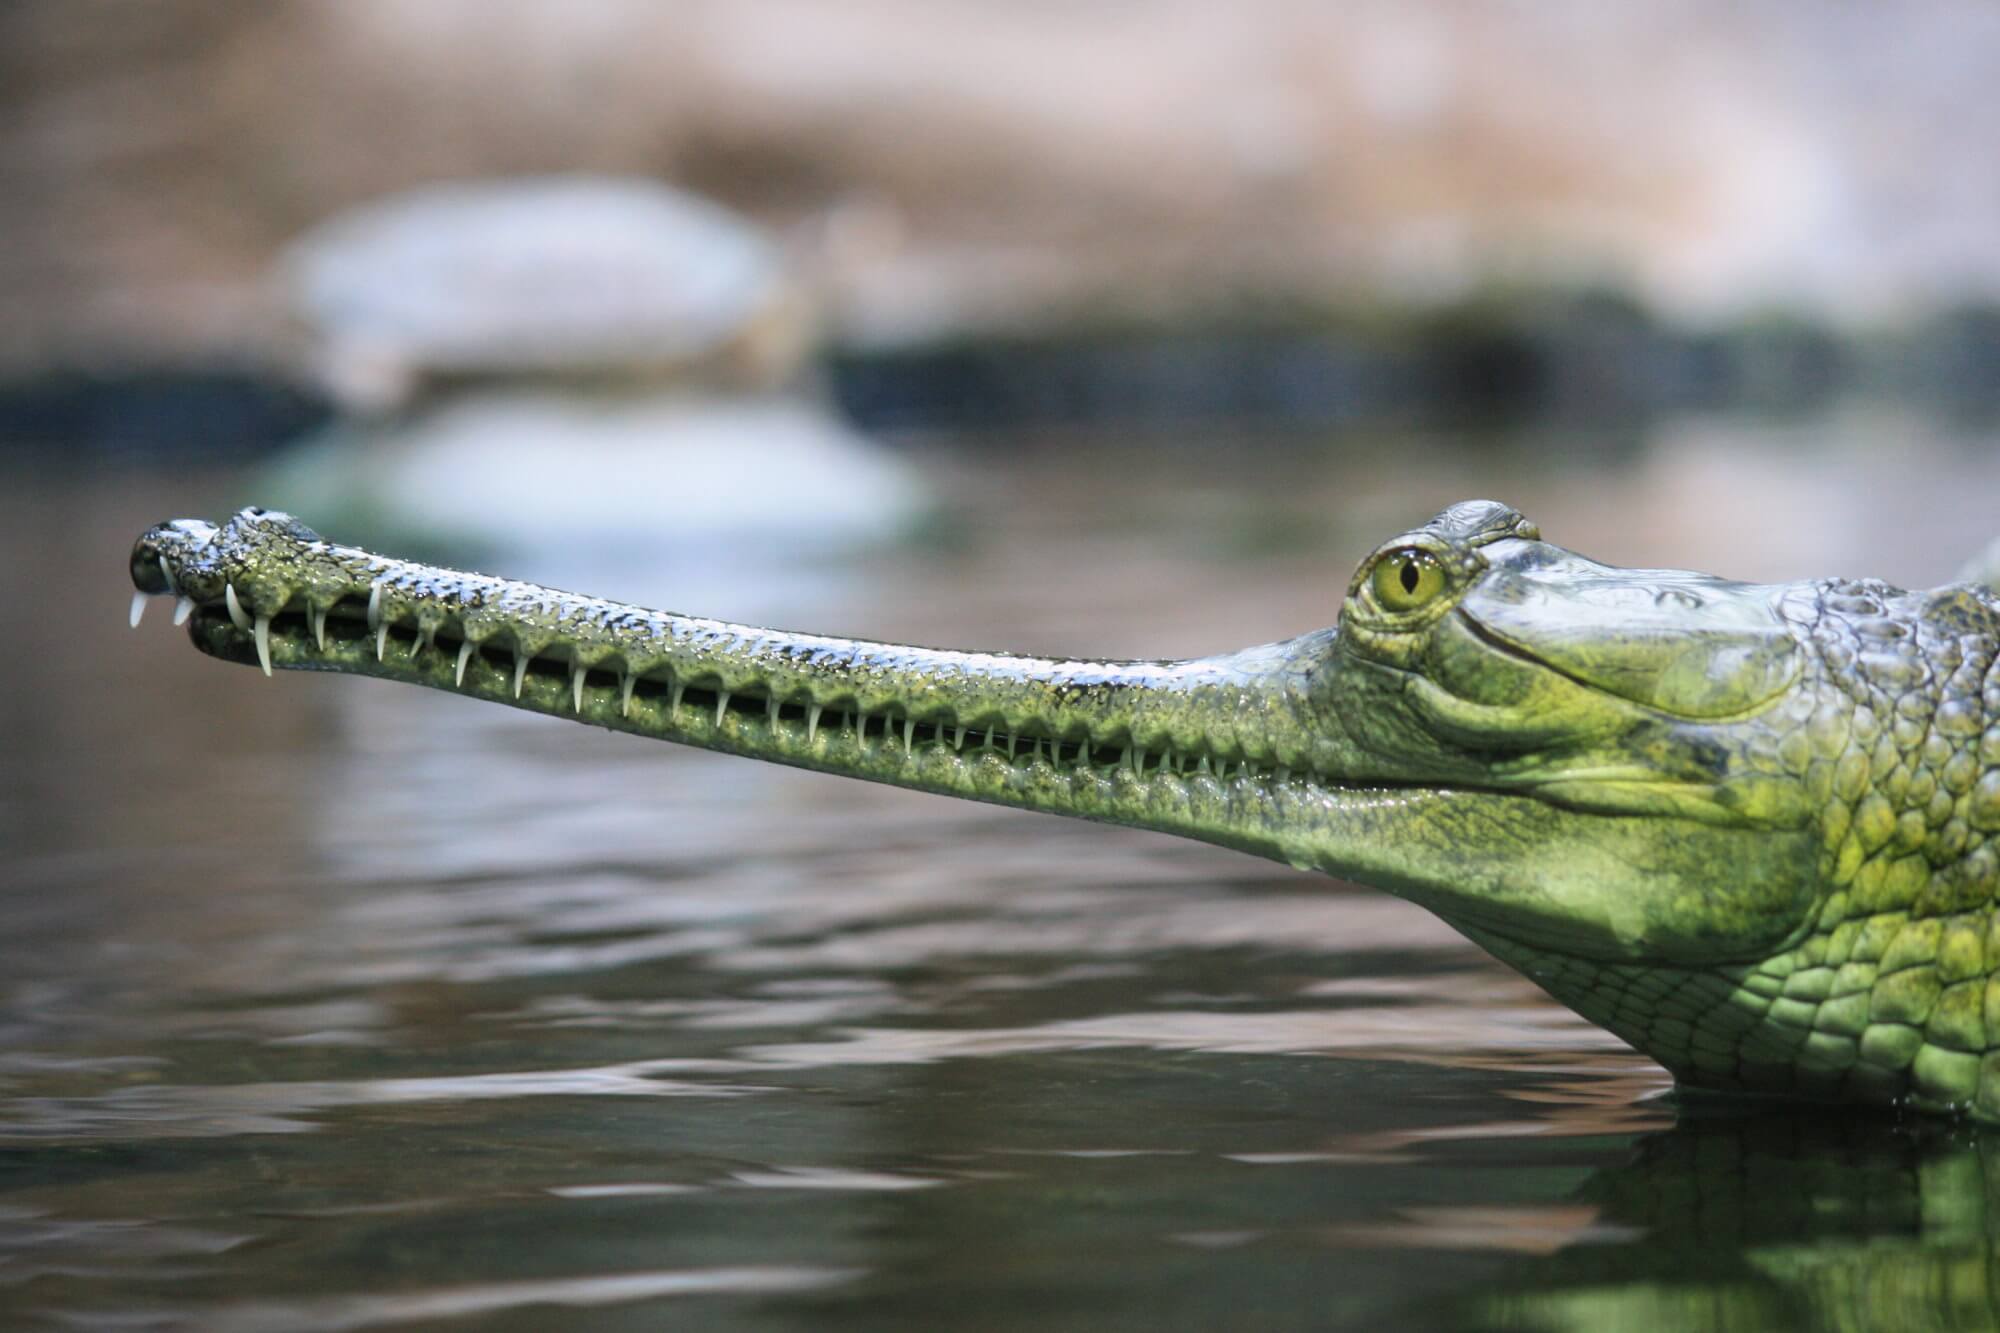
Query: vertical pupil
x=1409, y=576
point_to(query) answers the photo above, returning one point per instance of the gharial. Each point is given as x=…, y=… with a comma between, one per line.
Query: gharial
x=1753, y=830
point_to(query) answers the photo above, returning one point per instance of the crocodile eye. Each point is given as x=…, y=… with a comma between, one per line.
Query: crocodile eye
x=1406, y=579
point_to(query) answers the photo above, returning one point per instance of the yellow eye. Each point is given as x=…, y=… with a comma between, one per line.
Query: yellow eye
x=1407, y=579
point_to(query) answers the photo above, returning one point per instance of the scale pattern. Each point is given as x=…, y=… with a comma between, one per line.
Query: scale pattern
x=1892, y=993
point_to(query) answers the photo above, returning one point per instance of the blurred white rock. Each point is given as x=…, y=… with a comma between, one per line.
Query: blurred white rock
x=558, y=474
x=602, y=277
x=583, y=370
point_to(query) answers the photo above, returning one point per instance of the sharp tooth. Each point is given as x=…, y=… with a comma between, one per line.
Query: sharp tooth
x=909, y=736
x=989, y=737
x=381, y=640
x=958, y=739
x=1168, y=763
x=183, y=609
x=1203, y=766
x=237, y=615
x=263, y=635
x=520, y=670
x=1012, y=742
x=1126, y=758
x=771, y=708
x=576, y=674
x=138, y=607
x=167, y=573
x=1284, y=775
x=465, y=651
x=318, y=614
x=674, y=703
x=812, y=722
x=721, y=705
x=374, y=605
x=626, y=684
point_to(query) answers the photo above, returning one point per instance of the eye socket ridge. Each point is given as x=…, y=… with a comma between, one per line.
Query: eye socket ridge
x=1406, y=579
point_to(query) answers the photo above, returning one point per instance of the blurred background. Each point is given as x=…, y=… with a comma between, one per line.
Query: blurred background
x=1028, y=168
x=1116, y=328
x=1010, y=224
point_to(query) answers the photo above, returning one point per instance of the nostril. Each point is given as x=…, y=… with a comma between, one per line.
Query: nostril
x=149, y=567
x=162, y=556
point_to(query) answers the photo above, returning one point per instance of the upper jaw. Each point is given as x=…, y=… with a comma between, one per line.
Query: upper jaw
x=1237, y=709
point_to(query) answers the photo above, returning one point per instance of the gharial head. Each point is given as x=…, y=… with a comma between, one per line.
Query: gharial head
x=1577, y=758
x=1574, y=757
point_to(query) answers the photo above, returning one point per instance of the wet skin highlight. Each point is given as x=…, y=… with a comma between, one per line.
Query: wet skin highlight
x=1744, y=827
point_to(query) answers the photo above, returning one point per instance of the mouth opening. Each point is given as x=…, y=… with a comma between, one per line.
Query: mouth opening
x=695, y=698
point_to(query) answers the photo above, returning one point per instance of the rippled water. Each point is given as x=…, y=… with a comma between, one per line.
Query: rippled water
x=329, y=1005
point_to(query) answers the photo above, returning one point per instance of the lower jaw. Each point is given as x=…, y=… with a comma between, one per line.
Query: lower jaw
x=1239, y=805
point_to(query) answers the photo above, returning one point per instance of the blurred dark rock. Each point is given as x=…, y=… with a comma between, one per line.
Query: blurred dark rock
x=155, y=416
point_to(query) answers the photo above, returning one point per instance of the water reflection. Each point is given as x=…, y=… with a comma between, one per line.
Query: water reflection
x=1756, y=1218
x=363, y=1310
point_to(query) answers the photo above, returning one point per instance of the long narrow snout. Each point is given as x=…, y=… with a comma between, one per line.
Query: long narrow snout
x=1209, y=748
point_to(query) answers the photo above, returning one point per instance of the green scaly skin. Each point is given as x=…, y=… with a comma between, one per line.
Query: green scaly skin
x=1747, y=828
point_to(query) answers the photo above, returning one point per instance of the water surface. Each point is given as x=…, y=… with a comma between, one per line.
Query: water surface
x=331, y=1005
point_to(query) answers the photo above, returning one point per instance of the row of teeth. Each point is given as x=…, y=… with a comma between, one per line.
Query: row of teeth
x=1138, y=759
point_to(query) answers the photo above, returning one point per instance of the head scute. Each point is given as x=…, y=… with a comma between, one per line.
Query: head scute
x=1413, y=573
x=1480, y=522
